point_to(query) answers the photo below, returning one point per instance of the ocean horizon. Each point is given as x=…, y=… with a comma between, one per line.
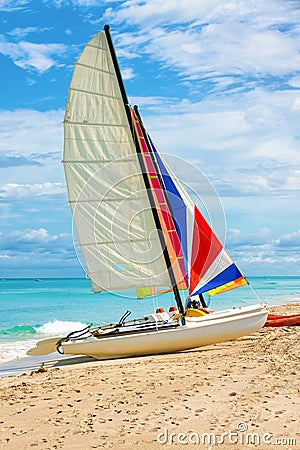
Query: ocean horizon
x=32, y=309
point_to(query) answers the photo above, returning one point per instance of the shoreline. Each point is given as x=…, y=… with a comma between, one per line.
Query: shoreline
x=25, y=364
x=242, y=389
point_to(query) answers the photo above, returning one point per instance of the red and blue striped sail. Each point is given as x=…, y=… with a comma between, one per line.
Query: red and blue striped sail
x=168, y=228
x=178, y=206
x=208, y=266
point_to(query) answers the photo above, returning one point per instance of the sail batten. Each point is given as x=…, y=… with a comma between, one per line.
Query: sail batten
x=94, y=93
x=109, y=242
x=94, y=68
x=97, y=47
x=95, y=124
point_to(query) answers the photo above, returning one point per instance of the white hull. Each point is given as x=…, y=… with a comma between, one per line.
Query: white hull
x=197, y=332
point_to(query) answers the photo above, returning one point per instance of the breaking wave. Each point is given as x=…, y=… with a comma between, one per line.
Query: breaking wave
x=15, y=341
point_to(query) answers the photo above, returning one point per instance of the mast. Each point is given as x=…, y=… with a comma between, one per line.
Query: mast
x=119, y=76
x=144, y=173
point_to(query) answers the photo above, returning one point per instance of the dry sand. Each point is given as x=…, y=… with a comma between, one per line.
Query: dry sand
x=201, y=396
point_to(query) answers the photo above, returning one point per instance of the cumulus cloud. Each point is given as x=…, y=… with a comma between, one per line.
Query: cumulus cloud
x=236, y=237
x=37, y=251
x=236, y=64
x=295, y=82
x=46, y=156
x=272, y=180
x=40, y=235
x=149, y=13
x=290, y=240
x=78, y=3
x=25, y=131
x=233, y=44
x=32, y=56
x=12, y=5
x=35, y=240
x=259, y=253
x=5, y=257
x=22, y=32
x=246, y=143
x=127, y=74
x=13, y=161
x=13, y=191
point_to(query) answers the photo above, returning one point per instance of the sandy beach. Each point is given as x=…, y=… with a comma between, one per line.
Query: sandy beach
x=240, y=394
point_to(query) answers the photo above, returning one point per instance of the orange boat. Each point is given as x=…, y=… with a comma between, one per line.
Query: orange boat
x=276, y=320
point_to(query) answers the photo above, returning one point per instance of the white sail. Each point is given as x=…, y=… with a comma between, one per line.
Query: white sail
x=109, y=202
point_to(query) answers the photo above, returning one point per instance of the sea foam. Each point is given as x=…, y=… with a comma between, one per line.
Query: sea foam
x=10, y=350
x=14, y=350
x=59, y=327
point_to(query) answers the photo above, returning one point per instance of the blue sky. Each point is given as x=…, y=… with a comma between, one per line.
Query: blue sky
x=218, y=84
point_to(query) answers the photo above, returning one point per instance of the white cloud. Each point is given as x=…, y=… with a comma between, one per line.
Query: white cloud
x=296, y=104
x=238, y=63
x=31, y=240
x=82, y=3
x=36, y=250
x=22, y=32
x=272, y=180
x=12, y=5
x=30, y=81
x=264, y=259
x=32, y=56
x=127, y=74
x=15, y=191
x=149, y=13
x=237, y=237
x=40, y=235
x=290, y=240
x=247, y=143
x=86, y=2
x=251, y=42
x=259, y=252
x=25, y=131
x=295, y=82
x=32, y=137
x=5, y=257
x=245, y=126
x=36, y=236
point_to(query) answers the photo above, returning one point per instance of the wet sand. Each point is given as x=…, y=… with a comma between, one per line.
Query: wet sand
x=239, y=394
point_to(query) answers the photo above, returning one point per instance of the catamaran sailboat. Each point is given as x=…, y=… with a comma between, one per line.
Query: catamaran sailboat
x=137, y=225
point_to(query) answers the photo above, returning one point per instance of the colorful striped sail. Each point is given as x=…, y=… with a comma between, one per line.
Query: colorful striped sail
x=228, y=286
x=208, y=266
x=168, y=228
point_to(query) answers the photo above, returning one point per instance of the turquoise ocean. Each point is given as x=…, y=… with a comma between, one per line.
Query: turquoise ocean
x=35, y=309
